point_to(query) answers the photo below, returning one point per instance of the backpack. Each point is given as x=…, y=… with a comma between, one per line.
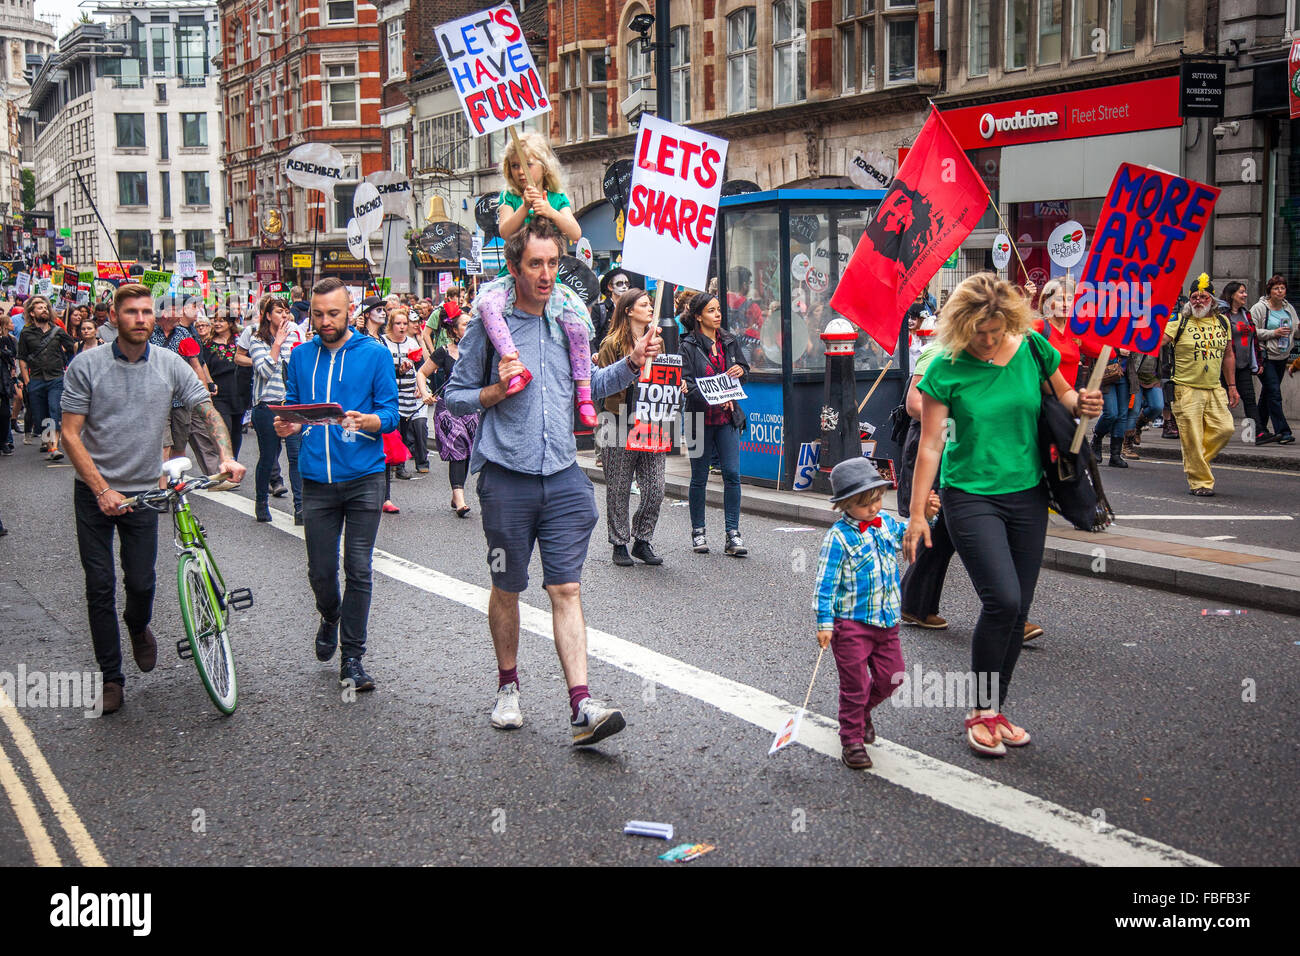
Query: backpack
x=1073, y=480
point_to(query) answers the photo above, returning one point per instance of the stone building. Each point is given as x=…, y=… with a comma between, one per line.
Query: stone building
x=25, y=43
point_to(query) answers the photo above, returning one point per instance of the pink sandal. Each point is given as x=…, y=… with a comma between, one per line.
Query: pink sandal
x=990, y=722
x=1006, y=735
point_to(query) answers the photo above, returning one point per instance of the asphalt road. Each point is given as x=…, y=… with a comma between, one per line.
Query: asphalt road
x=1133, y=697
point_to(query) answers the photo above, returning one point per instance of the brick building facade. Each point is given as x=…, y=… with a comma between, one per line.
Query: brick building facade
x=295, y=72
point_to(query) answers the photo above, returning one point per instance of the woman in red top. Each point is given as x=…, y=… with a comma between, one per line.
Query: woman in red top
x=1056, y=305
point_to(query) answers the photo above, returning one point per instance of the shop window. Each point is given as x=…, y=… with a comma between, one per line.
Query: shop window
x=1171, y=20
x=679, y=76
x=900, y=51
x=1122, y=23
x=742, y=61
x=1017, y=34
x=1049, y=31
x=790, y=52
x=977, y=56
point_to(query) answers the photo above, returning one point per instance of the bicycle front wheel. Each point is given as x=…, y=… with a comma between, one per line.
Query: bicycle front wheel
x=205, y=626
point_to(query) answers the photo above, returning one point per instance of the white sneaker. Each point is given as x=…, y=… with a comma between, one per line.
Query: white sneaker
x=595, y=722
x=506, y=714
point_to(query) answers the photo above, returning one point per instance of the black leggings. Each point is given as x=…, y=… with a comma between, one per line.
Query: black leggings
x=457, y=472
x=1000, y=540
x=923, y=581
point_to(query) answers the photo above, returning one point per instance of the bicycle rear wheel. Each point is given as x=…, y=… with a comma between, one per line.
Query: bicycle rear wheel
x=205, y=626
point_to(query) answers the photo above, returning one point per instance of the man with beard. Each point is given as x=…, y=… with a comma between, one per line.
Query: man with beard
x=43, y=350
x=342, y=468
x=1201, y=339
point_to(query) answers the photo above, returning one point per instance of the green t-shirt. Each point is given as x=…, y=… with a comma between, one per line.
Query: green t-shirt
x=924, y=360
x=992, y=436
x=512, y=199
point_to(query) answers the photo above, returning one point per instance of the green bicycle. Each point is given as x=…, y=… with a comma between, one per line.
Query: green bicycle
x=204, y=598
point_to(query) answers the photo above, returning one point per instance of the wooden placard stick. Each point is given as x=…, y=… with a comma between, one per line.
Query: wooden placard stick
x=862, y=404
x=519, y=148
x=1094, y=383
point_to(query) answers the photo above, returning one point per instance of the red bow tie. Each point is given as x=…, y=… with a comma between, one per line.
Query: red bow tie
x=873, y=523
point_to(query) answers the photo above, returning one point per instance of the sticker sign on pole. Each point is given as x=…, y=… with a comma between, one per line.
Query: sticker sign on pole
x=368, y=208
x=490, y=63
x=1001, y=251
x=658, y=395
x=1146, y=236
x=395, y=188
x=673, y=202
x=720, y=389
x=357, y=244
x=315, y=166
x=186, y=266
x=1067, y=244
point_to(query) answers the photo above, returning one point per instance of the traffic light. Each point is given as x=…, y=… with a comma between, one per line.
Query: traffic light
x=157, y=261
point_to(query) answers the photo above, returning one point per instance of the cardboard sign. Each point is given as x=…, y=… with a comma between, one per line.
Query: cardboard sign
x=68, y=295
x=872, y=171
x=658, y=395
x=22, y=283
x=720, y=389
x=490, y=63
x=158, y=283
x=1001, y=251
x=673, y=202
x=810, y=453
x=1066, y=244
x=186, y=264
x=113, y=270
x=1147, y=233
x=83, y=293
x=44, y=286
x=395, y=190
x=315, y=166
x=357, y=244
x=368, y=208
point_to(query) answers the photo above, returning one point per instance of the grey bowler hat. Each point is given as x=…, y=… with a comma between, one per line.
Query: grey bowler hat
x=854, y=476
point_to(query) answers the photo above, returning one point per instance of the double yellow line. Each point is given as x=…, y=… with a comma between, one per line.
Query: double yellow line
x=29, y=817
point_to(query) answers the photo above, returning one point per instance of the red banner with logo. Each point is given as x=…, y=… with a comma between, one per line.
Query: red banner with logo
x=1146, y=236
x=934, y=202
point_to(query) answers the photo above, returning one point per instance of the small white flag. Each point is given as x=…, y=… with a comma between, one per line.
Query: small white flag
x=788, y=732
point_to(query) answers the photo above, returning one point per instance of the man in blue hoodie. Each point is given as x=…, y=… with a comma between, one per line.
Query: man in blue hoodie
x=342, y=469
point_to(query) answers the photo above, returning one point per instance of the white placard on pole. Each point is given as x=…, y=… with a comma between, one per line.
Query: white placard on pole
x=315, y=166
x=492, y=69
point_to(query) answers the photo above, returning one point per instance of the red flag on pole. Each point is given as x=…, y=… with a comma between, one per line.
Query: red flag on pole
x=933, y=204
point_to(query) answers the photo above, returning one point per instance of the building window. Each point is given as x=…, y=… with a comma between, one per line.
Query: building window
x=196, y=189
x=340, y=11
x=869, y=57
x=742, y=61
x=130, y=130
x=679, y=76
x=159, y=37
x=1122, y=32
x=342, y=92
x=343, y=196
x=396, y=47
x=597, y=95
x=900, y=51
x=194, y=130
x=163, y=149
x=1017, y=34
x=166, y=180
x=848, y=59
x=1049, y=31
x=790, y=52
x=192, y=50
x=168, y=246
x=200, y=241
x=397, y=148
x=135, y=244
x=1082, y=27
x=571, y=95
x=977, y=56
x=638, y=66
x=132, y=189
x=444, y=143
x=1171, y=20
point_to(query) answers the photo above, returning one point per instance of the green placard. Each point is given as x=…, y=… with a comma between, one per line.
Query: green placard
x=154, y=278
x=85, y=276
x=951, y=263
x=65, y=232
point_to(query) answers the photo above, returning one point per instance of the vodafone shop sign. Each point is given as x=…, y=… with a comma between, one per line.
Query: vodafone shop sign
x=1122, y=108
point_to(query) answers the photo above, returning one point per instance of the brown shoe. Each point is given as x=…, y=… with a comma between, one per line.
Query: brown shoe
x=932, y=621
x=112, y=697
x=1032, y=631
x=855, y=757
x=869, y=734
x=145, y=649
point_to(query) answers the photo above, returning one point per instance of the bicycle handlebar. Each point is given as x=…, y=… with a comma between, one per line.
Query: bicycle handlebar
x=150, y=499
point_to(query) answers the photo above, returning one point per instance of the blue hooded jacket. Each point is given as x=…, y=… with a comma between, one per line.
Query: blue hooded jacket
x=360, y=377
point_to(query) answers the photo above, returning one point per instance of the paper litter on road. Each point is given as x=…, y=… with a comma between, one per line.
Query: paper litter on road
x=1222, y=612
x=662, y=831
x=687, y=852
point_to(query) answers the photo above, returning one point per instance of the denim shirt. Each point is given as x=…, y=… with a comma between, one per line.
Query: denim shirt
x=532, y=431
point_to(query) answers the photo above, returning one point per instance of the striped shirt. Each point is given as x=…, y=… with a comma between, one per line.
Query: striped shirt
x=268, y=376
x=408, y=401
x=858, y=574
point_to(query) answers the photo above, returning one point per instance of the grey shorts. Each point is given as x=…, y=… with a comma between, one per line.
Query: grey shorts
x=557, y=511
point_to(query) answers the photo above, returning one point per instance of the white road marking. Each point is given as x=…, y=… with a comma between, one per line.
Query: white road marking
x=1121, y=518
x=1059, y=828
x=1253, y=471
x=78, y=836
x=28, y=817
x=1221, y=537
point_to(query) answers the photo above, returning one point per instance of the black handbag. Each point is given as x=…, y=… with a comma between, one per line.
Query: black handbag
x=1073, y=479
x=738, y=417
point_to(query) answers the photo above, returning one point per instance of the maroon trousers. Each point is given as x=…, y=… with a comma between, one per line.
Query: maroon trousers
x=868, y=658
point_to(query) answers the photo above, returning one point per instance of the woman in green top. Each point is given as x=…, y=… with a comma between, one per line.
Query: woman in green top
x=520, y=202
x=980, y=401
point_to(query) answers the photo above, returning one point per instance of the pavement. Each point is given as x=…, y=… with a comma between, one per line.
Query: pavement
x=1228, y=574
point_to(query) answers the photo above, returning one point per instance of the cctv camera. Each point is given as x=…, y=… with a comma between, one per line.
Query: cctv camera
x=1223, y=129
x=640, y=102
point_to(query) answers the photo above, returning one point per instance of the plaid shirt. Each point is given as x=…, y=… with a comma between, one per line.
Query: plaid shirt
x=858, y=575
